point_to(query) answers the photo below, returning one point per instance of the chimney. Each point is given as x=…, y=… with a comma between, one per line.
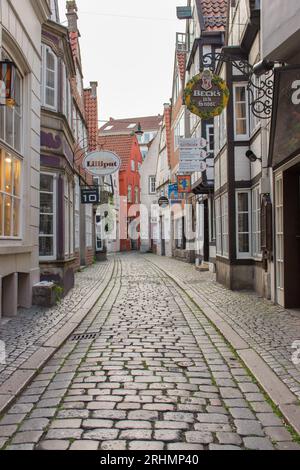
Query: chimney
x=72, y=16
x=94, y=86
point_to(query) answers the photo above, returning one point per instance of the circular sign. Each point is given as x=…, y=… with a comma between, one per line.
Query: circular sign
x=101, y=163
x=206, y=95
x=163, y=202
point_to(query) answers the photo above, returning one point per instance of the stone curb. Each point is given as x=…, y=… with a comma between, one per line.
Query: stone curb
x=16, y=383
x=279, y=393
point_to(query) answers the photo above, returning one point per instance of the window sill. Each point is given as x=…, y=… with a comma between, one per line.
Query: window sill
x=15, y=249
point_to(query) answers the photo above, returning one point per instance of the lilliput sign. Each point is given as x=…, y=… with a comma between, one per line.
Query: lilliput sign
x=206, y=95
x=101, y=163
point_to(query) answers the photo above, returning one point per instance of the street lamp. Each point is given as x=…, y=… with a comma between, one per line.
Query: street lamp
x=7, y=83
x=252, y=157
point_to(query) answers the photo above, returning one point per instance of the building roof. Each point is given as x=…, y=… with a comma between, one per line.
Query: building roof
x=214, y=14
x=181, y=60
x=120, y=144
x=91, y=115
x=121, y=126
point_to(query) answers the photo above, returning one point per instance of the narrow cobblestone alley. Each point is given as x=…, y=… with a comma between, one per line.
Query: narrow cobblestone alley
x=145, y=370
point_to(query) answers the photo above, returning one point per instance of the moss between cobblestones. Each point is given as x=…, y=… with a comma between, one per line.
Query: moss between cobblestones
x=294, y=434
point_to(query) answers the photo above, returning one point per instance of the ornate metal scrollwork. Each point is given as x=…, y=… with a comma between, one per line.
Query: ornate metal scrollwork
x=260, y=89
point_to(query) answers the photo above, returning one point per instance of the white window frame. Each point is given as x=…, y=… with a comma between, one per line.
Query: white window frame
x=136, y=195
x=54, y=256
x=16, y=112
x=152, y=181
x=256, y=223
x=129, y=193
x=46, y=48
x=244, y=255
x=224, y=224
x=218, y=226
x=245, y=136
x=12, y=197
x=210, y=127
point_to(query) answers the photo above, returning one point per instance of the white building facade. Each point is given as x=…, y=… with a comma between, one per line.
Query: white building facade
x=20, y=42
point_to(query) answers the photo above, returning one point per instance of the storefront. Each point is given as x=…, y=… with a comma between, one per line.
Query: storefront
x=285, y=161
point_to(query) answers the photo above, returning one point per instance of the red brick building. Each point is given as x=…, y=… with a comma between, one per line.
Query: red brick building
x=128, y=149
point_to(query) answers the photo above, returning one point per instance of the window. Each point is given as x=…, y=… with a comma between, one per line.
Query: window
x=243, y=211
x=47, y=216
x=131, y=126
x=152, y=185
x=77, y=213
x=49, y=78
x=136, y=195
x=99, y=241
x=241, y=111
x=89, y=225
x=69, y=216
x=218, y=226
x=132, y=165
x=256, y=222
x=222, y=238
x=210, y=137
x=11, y=118
x=179, y=132
x=108, y=128
x=224, y=209
x=10, y=195
x=129, y=196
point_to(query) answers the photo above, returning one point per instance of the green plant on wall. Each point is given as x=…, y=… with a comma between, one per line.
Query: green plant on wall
x=58, y=290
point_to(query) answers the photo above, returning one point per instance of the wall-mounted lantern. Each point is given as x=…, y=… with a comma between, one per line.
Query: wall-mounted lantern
x=7, y=83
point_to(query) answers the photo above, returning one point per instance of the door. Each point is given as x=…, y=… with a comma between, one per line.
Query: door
x=279, y=239
x=291, y=224
x=162, y=237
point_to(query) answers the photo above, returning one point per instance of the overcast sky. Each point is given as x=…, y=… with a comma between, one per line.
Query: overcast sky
x=131, y=58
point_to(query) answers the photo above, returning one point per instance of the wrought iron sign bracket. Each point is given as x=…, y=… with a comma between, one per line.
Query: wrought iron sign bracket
x=260, y=88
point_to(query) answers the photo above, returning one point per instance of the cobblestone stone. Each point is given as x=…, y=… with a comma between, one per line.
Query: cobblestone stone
x=158, y=376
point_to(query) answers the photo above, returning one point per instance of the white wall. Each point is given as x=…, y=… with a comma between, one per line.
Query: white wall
x=148, y=169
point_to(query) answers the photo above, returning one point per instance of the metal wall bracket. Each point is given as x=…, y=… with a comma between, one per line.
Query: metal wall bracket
x=260, y=88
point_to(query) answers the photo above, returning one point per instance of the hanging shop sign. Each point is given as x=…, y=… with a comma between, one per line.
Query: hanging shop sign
x=90, y=195
x=173, y=191
x=285, y=129
x=184, y=183
x=191, y=154
x=192, y=166
x=101, y=163
x=206, y=95
x=184, y=13
x=7, y=83
x=192, y=143
x=163, y=202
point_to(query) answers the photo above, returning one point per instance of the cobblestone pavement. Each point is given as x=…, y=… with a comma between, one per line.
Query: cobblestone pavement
x=26, y=332
x=269, y=329
x=151, y=373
